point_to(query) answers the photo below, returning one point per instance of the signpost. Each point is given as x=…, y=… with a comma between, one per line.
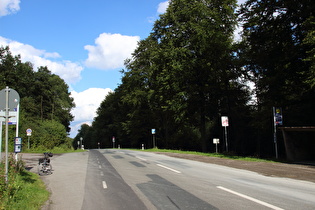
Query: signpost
x=153, y=136
x=277, y=120
x=81, y=139
x=18, y=144
x=113, y=139
x=9, y=101
x=225, y=123
x=216, y=142
x=28, y=134
x=12, y=121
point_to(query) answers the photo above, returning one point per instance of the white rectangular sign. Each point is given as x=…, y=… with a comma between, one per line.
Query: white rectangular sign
x=225, y=121
x=216, y=141
x=12, y=117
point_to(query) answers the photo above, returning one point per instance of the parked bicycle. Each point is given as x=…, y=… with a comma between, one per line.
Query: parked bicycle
x=44, y=165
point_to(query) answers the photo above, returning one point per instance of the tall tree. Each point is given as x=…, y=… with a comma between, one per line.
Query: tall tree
x=274, y=53
x=45, y=100
x=195, y=40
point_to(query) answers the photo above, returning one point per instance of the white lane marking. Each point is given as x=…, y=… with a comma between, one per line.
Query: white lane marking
x=104, y=185
x=102, y=174
x=169, y=168
x=99, y=166
x=141, y=158
x=250, y=198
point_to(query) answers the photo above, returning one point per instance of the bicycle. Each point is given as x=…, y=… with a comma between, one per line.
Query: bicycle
x=44, y=165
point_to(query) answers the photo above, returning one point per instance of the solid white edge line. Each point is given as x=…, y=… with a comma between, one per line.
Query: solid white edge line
x=104, y=185
x=250, y=198
x=169, y=168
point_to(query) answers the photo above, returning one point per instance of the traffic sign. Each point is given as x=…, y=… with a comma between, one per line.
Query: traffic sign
x=153, y=131
x=13, y=102
x=225, y=121
x=28, y=132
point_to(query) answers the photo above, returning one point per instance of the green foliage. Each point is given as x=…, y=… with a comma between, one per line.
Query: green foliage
x=189, y=72
x=24, y=190
x=309, y=41
x=45, y=102
x=276, y=43
x=51, y=134
x=9, y=188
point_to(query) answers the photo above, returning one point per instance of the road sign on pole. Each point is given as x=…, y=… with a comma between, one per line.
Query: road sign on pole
x=153, y=137
x=9, y=101
x=113, y=139
x=225, y=123
x=216, y=142
x=28, y=132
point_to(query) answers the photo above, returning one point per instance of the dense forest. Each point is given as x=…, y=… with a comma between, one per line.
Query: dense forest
x=190, y=71
x=45, y=103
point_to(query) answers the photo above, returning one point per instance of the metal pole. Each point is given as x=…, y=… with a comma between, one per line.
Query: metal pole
x=153, y=141
x=6, y=132
x=226, y=142
x=28, y=142
x=17, y=128
x=1, y=140
x=275, y=131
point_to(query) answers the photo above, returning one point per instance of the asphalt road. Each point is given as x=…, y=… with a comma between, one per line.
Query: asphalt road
x=124, y=179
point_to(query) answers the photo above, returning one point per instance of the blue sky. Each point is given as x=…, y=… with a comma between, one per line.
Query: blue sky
x=83, y=41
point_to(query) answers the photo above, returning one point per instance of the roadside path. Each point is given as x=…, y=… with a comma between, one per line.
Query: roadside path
x=67, y=182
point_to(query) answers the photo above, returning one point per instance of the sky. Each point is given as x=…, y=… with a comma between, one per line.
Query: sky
x=84, y=42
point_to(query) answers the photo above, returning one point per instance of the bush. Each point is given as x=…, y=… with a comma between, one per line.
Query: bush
x=10, y=187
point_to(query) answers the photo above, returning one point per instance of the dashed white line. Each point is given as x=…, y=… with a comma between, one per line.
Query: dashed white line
x=104, y=185
x=169, y=168
x=102, y=174
x=250, y=198
x=100, y=166
x=141, y=158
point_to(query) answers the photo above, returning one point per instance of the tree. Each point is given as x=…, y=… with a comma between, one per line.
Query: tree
x=52, y=97
x=310, y=42
x=274, y=53
x=45, y=101
x=85, y=133
x=195, y=41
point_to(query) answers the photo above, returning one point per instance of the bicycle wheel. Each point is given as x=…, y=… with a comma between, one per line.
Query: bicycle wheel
x=48, y=169
x=40, y=169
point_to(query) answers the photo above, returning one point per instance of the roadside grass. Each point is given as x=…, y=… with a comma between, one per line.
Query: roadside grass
x=218, y=155
x=55, y=150
x=24, y=190
x=31, y=193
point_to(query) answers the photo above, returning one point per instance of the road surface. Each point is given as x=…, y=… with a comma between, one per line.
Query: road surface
x=125, y=179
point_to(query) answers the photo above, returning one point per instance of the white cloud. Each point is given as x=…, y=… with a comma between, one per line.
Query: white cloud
x=110, y=51
x=67, y=70
x=75, y=126
x=162, y=7
x=9, y=6
x=87, y=103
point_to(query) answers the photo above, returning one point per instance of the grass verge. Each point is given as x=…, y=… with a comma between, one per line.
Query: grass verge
x=30, y=195
x=23, y=190
x=219, y=155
